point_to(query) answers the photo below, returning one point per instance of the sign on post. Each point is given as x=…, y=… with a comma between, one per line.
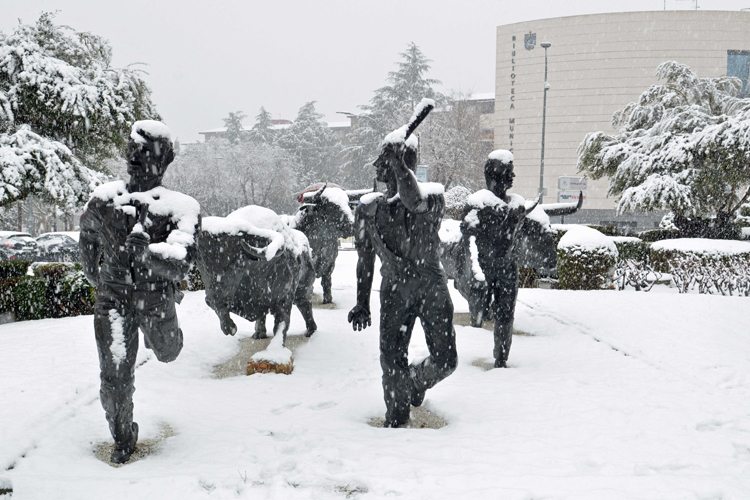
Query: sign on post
x=570, y=196
x=567, y=183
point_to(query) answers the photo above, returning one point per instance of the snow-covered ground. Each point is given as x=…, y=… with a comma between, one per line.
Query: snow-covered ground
x=614, y=395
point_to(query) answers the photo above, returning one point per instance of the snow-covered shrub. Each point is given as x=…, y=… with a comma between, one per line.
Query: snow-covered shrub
x=631, y=248
x=24, y=297
x=729, y=275
x=13, y=268
x=659, y=234
x=68, y=291
x=585, y=259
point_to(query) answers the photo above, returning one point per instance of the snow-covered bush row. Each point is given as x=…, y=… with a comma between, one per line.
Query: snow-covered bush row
x=585, y=259
x=50, y=291
x=709, y=251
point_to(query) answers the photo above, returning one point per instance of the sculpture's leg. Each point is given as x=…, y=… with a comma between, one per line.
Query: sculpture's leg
x=306, y=309
x=325, y=279
x=303, y=299
x=281, y=318
x=478, y=303
x=158, y=322
x=436, y=314
x=505, y=291
x=117, y=342
x=260, y=328
x=397, y=316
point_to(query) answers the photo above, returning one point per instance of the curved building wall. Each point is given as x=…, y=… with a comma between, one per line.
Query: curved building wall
x=596, y=65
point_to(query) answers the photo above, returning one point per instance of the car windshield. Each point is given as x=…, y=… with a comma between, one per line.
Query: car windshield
x=25, y=239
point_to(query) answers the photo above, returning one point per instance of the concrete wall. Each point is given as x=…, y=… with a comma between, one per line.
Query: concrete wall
x=596, y=65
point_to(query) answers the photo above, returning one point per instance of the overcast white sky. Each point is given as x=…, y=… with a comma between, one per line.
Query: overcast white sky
x=207, y=58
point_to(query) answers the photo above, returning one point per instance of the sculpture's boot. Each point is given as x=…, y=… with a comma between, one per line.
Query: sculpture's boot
x=418, y=389
x=126, y=437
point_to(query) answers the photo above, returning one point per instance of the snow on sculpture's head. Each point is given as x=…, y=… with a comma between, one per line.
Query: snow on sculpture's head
x=395, y=148
x=150, y=151
x=498, y=171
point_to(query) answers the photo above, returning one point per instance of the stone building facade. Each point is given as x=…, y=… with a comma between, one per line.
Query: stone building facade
x=596, y=65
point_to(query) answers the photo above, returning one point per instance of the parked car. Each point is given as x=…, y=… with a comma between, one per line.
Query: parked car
x=16, y=245
x=61, y=246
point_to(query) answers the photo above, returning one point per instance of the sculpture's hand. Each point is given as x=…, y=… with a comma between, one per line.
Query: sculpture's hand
x=359, y=317
x=137, y=244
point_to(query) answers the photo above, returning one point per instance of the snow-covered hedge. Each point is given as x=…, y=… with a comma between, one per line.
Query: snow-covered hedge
x=585, y=259
x=51, y=291
x=13, y=268
x=707, y=250
x=631, y=248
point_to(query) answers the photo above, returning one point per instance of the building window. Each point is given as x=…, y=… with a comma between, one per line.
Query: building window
x=738, y=65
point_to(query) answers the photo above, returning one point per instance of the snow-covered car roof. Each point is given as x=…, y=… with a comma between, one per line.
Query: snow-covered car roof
x=72, y=234
x=8, y=234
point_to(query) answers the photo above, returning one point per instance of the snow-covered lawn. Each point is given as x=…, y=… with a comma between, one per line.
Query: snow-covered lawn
x=614, y=395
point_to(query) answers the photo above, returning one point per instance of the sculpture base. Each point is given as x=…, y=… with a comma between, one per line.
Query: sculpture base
x=265, y=366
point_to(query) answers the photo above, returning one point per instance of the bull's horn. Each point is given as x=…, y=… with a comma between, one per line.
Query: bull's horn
x=319, y=193
x=254, y=253
x=538, y=199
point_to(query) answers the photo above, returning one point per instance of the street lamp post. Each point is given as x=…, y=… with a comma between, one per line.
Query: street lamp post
x=544, y=122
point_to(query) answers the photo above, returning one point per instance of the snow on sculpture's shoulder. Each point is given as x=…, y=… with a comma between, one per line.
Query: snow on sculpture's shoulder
x=152, y=128
x=484, y=198
x=261, y=222
x=427, y=189
x=450, y=231
x=703, y=246
x=587, y=238
x=109, y=190
x=502, y=155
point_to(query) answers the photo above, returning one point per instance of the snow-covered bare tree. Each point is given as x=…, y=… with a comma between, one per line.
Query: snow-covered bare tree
x=389, y=108
x=684, y=146
x=224, y=176
x=314, y=146
x=453, y=145
x=63, y=111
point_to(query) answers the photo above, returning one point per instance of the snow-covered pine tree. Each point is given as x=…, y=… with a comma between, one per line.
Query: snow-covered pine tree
x=235, y=130
x=314, y=145
x=389, y=108
x=684, y=146
x=63, y=111
x=262, y=131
